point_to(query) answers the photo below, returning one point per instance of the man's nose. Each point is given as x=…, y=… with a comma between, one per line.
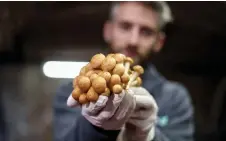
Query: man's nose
x=134, y=38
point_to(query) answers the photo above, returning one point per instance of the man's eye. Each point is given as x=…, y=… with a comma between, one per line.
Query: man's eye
x=125, y=26
x=147, y=32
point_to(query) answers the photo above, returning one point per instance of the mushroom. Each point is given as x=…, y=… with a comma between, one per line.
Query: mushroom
x=83, y=71
x=76, y=93
x=99, y=84
x=106, y=92
x=83, y=99
x=97, y=60
x=105, y=75
x=110, y=55
x=119, y=57
x=84, y=83
x=117, y=89
x=93, y=76
x=137, y=82
x=92, y=95
x=108, y=64
x=89, y=67
x=89, y=73
x=75, y=81
x=115, y=79
x=138, y=70
x=125, y=77
x=119, y=69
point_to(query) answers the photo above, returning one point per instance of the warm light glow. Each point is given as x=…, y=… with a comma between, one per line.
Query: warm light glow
x=62, y=69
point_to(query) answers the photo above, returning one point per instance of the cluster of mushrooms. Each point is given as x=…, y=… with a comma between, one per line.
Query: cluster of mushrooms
x=105, y=75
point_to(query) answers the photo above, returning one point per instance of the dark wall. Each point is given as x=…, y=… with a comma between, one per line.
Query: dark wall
x=193, y=53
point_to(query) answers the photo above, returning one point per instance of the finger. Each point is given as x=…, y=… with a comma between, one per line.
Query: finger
x=139, y=91
x=126, y=107
x=145, y=102
x=111, y=106
x=94, y=107
x=71, y=102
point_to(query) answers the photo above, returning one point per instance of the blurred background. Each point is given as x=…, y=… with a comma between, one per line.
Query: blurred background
x=32, y=33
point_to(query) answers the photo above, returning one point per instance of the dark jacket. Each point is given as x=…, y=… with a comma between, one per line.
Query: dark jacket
x=175, y=113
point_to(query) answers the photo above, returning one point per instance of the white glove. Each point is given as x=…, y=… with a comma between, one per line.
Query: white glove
x=109, y=113
x=141, y=125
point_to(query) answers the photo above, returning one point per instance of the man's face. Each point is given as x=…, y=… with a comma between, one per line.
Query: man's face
x=133, y=31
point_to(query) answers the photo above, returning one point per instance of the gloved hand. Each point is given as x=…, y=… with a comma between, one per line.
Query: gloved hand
x=141, y=125
x=109, y=113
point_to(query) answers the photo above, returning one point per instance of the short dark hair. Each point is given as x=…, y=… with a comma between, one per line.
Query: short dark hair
x=160, y=7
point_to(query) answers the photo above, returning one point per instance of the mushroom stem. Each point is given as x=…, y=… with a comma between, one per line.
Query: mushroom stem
x=137, y=82
x=133, y=77
x=137, y=71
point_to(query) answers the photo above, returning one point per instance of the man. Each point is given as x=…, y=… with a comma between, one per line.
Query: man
x=160, y=110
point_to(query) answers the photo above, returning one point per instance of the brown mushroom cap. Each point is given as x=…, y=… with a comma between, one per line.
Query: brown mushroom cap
x=93, y=76
x=99, y=84
x=89, y=73
x=119, y=57
x=139, y=69
x=117, y=89
x=89, y=67
x=75, y=81
x=119, y=69
x=110, y=55
x=97, y=60
x=105, y=75
x=108, y=64
x=125, y=78
x=83, y=70
x=92, y=95
x=84, y=83
x=76, y=93
x=115, y=79
x=129, y=59
x=83, y=99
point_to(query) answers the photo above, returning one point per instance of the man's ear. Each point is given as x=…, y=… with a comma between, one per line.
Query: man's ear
x=107, y=31
x=160, y=40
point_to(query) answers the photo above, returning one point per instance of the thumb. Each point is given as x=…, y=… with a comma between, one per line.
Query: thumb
x=71, y=102
x=146, y=102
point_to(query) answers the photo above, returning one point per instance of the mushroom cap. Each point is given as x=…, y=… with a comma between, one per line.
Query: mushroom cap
x=119, y=69
x=83, y=70
x=106, y=75
x=76, y=93
x=83, y=99
x=115, y=79
x=108, y=64
x=92, y=95
x=110, y=55
x=97, y=60
x=84, y=83
x=99, y=84
x=89, y=67
x=129, y=59
x=117, y=89
x=119, y=57
x=93, y=76
x=89, y=73
x=125, y=78
x=139, y=69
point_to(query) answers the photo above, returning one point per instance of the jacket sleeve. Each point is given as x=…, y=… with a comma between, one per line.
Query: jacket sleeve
x=180, y=119
x=70, y=125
